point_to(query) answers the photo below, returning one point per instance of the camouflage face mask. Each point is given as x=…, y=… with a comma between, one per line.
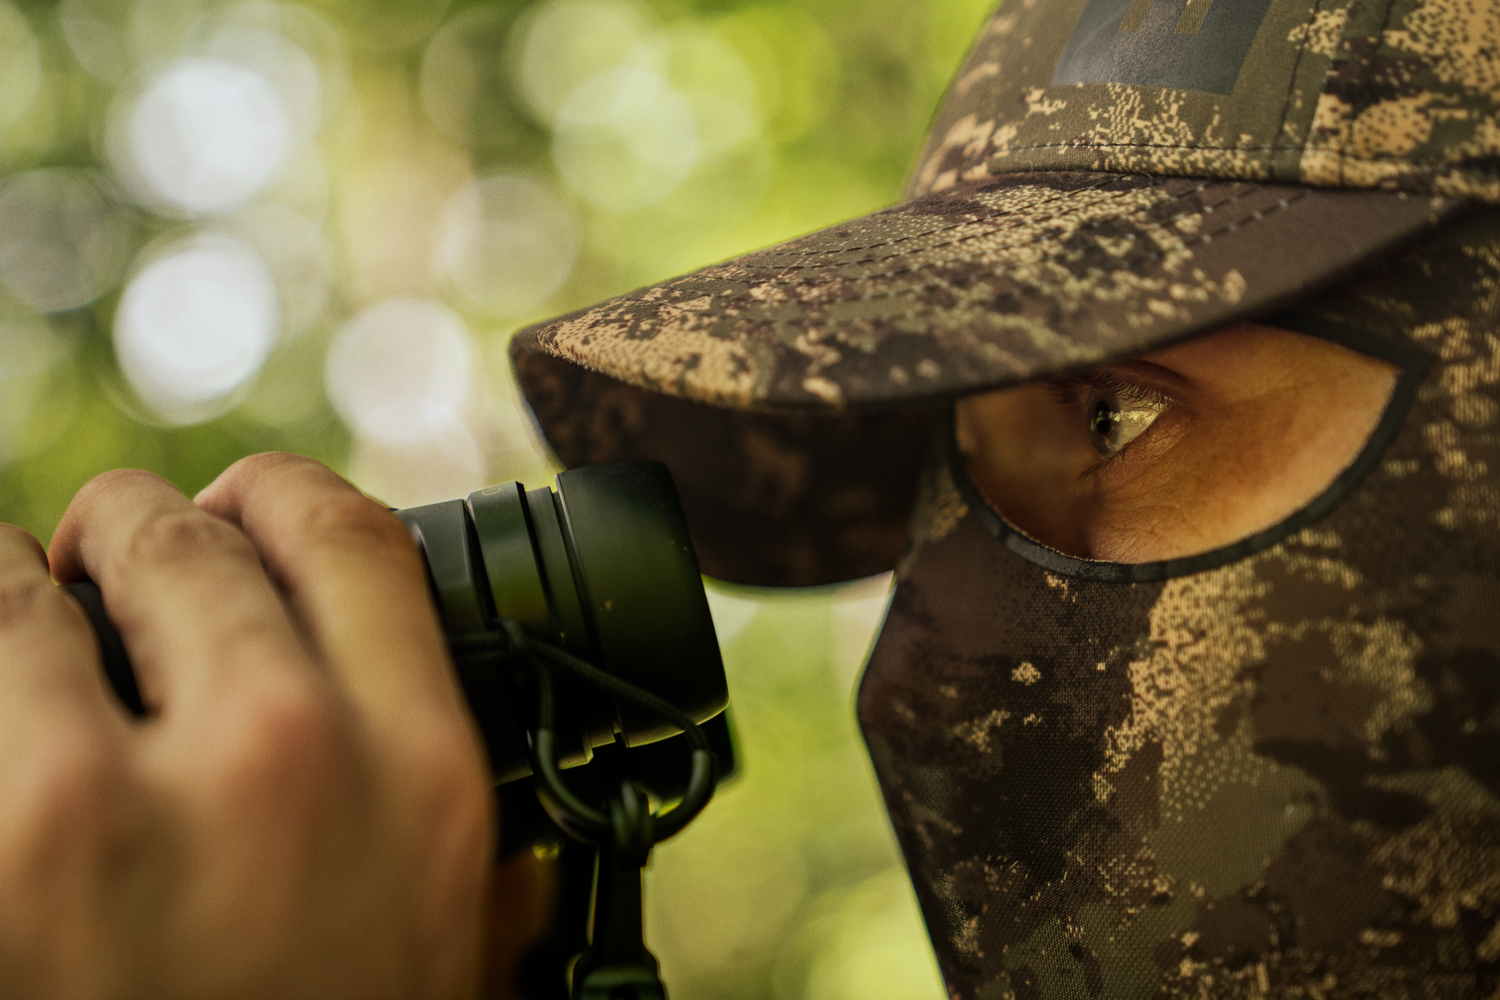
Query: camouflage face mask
x=1269, y=771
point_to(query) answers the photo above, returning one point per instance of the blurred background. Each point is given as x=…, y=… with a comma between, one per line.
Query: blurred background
x=228, y=227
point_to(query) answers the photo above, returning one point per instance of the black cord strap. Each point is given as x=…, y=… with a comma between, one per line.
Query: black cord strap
x=577, y=818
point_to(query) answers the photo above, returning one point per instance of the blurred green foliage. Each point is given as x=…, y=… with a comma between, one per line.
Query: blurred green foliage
x=229, y=226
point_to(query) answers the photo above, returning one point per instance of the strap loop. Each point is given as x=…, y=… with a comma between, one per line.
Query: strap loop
x=575, y=817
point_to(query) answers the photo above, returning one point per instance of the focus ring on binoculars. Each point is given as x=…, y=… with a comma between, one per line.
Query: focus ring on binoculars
x=603, y=569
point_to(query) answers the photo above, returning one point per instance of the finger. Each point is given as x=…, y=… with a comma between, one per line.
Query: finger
x=186, y=590
x=351, y=574
x=64, y=759
x=49, y=661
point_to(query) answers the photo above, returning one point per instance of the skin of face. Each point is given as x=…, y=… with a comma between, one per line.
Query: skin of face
x=1252, y=423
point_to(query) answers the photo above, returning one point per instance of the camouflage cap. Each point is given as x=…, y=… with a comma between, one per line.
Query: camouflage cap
x=1104, y=177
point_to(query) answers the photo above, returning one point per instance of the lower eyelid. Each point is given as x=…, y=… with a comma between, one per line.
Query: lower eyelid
x=1094, y=470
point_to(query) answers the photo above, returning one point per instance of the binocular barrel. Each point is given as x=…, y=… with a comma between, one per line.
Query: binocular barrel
x=601, y=568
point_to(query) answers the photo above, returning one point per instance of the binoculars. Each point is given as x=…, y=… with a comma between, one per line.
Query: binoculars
x=602, y=568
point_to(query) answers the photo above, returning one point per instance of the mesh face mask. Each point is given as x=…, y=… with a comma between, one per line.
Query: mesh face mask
x=1272, y=770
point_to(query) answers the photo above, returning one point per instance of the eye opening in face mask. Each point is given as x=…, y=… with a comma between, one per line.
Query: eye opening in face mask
x=1169, y=407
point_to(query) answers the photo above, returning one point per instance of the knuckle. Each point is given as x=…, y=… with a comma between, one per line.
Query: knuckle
x=263, y=464
x=274, y=471
x=180, y=536
x=345, y=521
x=448, y=767
x=266, y=460
x=98, y=491
x=284, y=736
x=68, y=794
x=22, y=595
x=448, y=754
x=116, y=478
x=18, y=538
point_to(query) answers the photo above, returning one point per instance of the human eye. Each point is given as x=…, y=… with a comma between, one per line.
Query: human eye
x=1113, y=411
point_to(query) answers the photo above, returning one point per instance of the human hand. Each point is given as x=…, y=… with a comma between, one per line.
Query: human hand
x=304, y=812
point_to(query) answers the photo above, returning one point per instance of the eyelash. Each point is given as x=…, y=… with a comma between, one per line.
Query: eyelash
x=1065, y=391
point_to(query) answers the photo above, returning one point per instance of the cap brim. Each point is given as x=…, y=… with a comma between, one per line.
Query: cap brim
x=981, y=286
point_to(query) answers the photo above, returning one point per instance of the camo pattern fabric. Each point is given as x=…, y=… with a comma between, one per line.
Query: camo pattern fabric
x=771, y=499
x=985, y=284
x=1401, y=94
x=1279, y=777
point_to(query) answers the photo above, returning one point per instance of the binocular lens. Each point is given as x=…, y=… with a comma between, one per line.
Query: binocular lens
x=602, y=568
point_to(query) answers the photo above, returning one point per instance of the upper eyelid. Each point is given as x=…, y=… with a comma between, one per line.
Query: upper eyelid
x=1113, y=380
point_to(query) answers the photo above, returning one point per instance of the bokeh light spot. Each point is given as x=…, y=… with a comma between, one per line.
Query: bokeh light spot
x=291, y=44
x=625, y=139
x=207, y=135
x=400, y=372
x=654, y=106
x=710, y=73
x=389, y=24
x=20, y=66
x=569, y=41
x=195, y=324
x=156, y=30
x=464, y=84
x=508, y=244
x=95, y=33
x=794, y=63
x=62, y=243
x=295, y=253
x=286, y=67
x=31, y=353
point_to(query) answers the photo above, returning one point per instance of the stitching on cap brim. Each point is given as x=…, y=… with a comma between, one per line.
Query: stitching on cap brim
x=1208, y=237
x=616, y=337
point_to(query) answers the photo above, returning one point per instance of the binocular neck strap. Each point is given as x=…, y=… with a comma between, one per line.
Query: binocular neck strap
x=577, y=818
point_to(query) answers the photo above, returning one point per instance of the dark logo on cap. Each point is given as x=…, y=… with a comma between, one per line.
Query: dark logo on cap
x=1182, y=44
